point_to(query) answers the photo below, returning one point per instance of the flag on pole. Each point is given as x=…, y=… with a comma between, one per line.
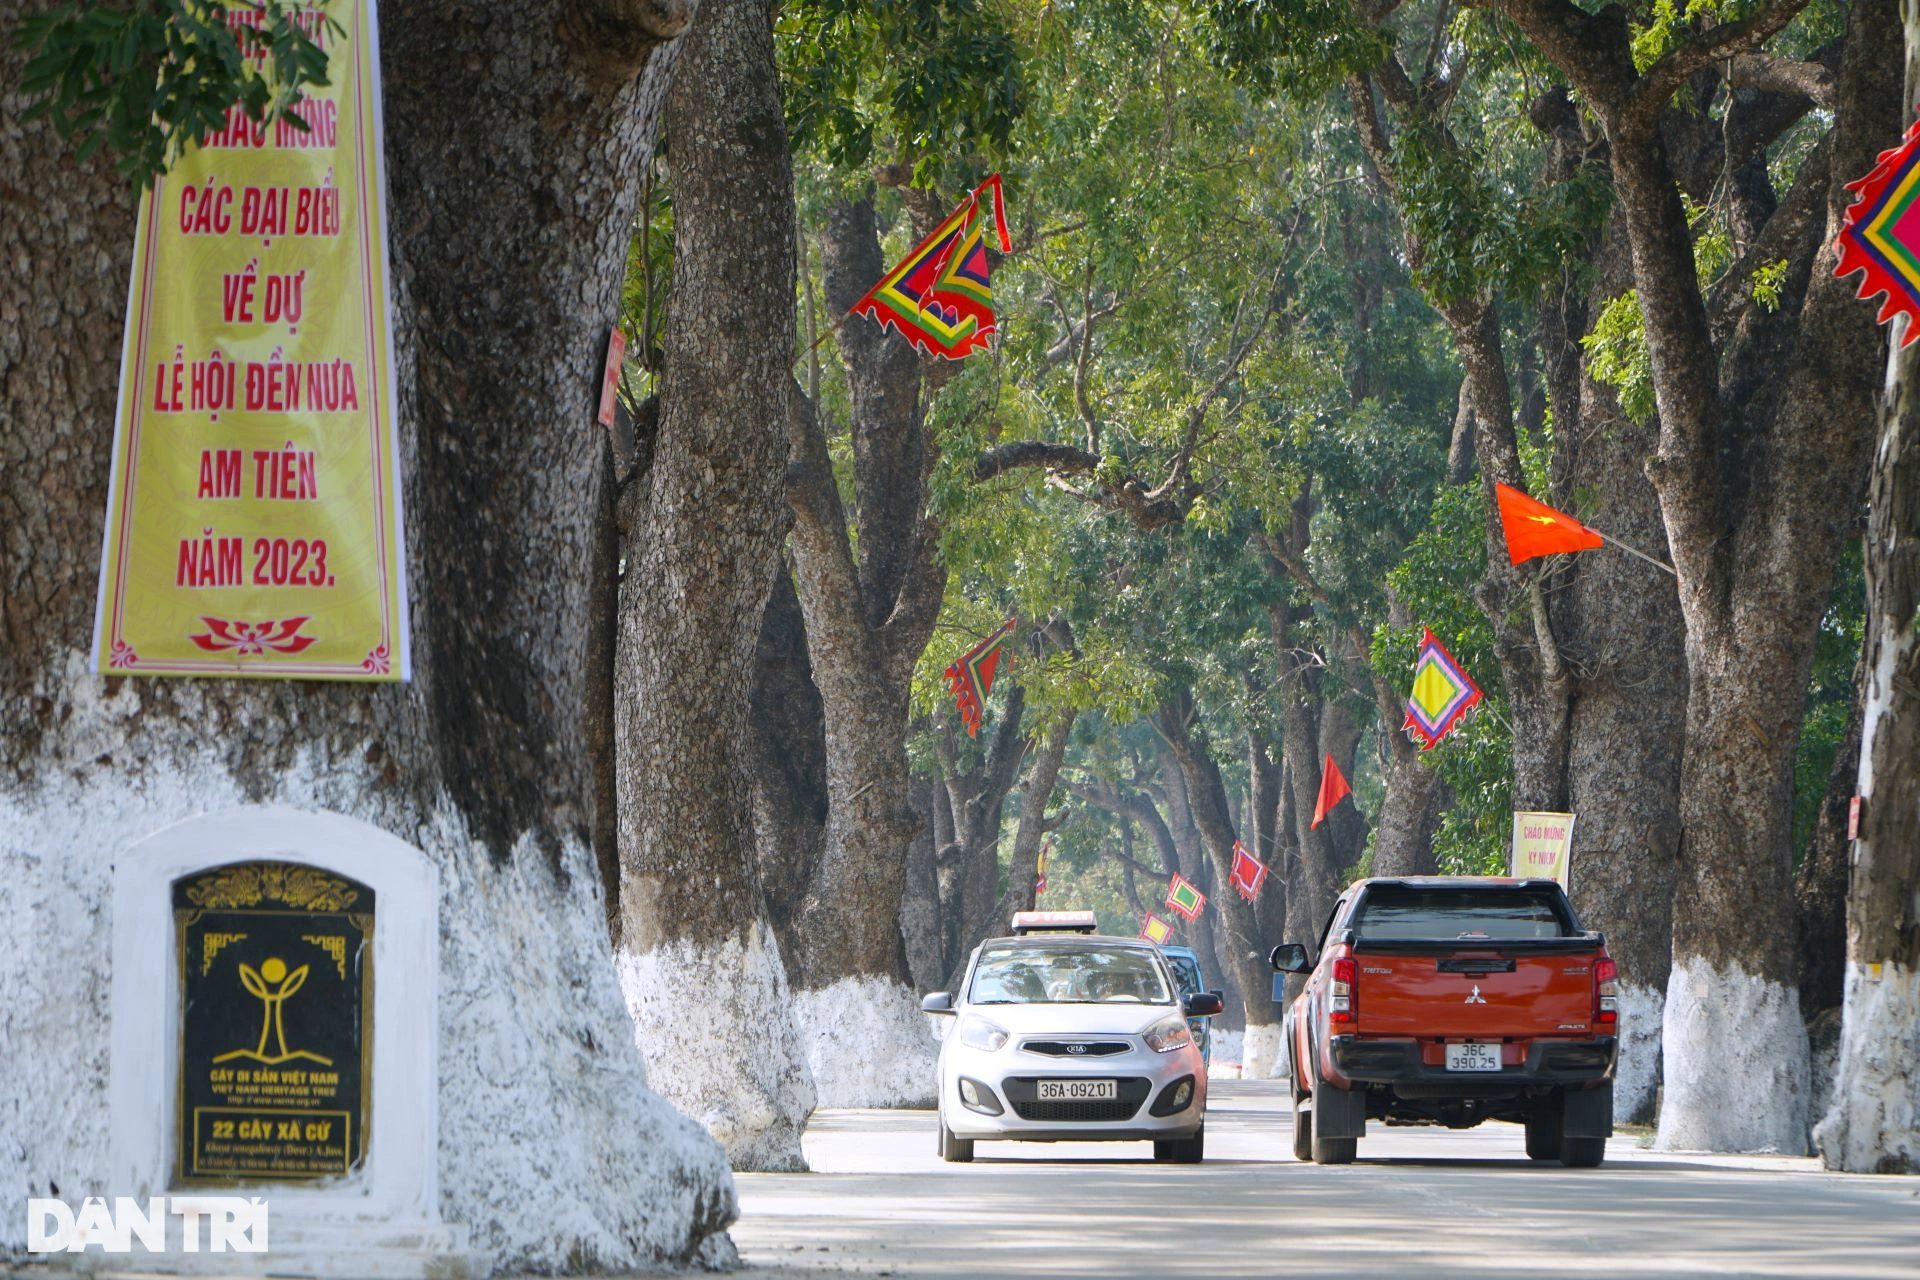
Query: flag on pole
x=1040, y=870
x=1881, y=235
x=970, y=676
x=1156, y=930
x=1249, y=873
x=1442, y=692
x=1184, y=896
x=1333, y=789
x=1535, y=529
x=940, y=296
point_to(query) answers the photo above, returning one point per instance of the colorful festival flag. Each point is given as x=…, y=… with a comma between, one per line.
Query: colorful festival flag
x=940, y=296
x=1155, y=930
x=1185, y=897
x=1535, y=529
x=1249, y=873
x=970, y=676
x=1040, y=870
x=1442, y=692
x=1881, y=234
x=1333, y=789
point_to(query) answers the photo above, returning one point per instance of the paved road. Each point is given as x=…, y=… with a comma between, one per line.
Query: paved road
x=1419, y=1203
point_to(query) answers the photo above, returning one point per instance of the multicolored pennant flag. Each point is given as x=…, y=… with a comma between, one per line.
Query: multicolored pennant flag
x=1333, y=789
x=970, y=676
x=1184, y=896
x=1442, y=692
x=940, y=296
x=1535, y=529
x=1249, y=873
x=1881, y=234
x=1157, y=931
x=1040, y=870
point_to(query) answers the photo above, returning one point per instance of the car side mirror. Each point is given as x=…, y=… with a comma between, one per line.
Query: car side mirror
x=1289, y=957
x=938, y=1002
x=1202, y=1004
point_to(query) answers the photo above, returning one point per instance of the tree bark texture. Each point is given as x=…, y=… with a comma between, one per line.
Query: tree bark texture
x=512, y=187
x=976, y=798
x=702, y=553
x=1617, y=619
x=1874, y=1124
x=1820, y=885
x=788, y=735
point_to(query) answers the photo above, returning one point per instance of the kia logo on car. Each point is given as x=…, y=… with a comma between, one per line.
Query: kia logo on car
x=1076, y=1048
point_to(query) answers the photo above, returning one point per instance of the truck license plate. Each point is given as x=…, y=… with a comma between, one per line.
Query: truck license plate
x=1078, y=1090
x=1473, y=1057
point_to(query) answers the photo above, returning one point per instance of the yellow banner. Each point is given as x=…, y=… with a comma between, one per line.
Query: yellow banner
x=253, y=520
x=1543, y=847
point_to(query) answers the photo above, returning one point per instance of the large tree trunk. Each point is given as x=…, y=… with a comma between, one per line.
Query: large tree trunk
x=870, y=603
x=1618, y=620
x=1245, y=942
x=513, y=186
x=976, y=798
x=702, y=552
x=788, y=736
x=1023, y=865
x=1874, y=1124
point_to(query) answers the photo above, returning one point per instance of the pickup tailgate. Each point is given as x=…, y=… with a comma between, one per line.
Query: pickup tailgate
x=1435, y=989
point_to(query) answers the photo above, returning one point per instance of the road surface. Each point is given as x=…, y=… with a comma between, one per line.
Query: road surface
x=1425, y=1203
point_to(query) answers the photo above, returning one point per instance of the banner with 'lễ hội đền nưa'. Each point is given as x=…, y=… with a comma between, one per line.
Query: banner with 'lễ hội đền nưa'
x=254, y=515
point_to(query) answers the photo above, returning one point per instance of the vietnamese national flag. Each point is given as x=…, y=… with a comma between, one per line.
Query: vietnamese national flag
x=1333, y=789
x=1536, y=529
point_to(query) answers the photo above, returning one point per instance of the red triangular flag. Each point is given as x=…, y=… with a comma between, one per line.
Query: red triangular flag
x=1333, y=788
x=1535, y=529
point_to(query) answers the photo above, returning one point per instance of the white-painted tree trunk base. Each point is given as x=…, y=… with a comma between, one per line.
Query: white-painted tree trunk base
x=715, y=1024
x=1735, y=1074
x=1873, y=1125
x=1636, y=1078
x=867, y=1044
x=1260, y=1051
x=553, y=1151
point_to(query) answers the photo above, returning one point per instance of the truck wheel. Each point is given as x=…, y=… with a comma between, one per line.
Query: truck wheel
x=1182, y=1150
x=1302, y=1133
x=1331, y=1150
x=954, y=1150
x=1582, y=1153
x=1543, y=1138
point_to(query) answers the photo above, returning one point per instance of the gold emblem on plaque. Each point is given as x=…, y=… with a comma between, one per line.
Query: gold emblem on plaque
x=273, y=984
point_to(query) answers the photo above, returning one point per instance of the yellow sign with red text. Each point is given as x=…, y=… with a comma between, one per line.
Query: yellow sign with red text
x=254, y=516
x=1543, y=847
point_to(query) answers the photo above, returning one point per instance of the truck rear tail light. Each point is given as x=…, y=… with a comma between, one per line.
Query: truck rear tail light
x=1606, y=992
x=1343, y=996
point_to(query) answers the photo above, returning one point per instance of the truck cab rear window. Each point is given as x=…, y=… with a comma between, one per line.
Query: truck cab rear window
x=1391, y=913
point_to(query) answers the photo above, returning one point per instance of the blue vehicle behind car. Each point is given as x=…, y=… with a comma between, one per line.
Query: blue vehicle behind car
x=1185, y=963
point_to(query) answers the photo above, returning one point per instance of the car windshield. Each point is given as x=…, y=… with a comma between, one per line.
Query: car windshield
x=1403, y=913
x=1068, y=975
x=1186, y=972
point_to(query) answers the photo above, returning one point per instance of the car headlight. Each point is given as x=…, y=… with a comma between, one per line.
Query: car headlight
x=1167, y=1035
x=978, y=1033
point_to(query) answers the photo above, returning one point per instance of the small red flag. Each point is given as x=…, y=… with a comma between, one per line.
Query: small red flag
x=1249, y=873
x=1535, y=529
x=1333, y=788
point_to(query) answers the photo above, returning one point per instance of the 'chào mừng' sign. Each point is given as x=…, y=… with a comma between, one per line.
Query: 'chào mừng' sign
x=253, y=520
x=1543, y=846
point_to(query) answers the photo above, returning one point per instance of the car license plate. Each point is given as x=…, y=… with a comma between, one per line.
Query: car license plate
x=1078, y=1090
x=1473, y=1057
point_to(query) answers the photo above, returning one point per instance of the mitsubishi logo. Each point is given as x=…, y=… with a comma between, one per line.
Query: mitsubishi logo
x=1476, y=997
x=1080, y=1048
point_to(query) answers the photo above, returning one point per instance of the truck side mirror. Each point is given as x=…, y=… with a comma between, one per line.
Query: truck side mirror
x=1289, y=957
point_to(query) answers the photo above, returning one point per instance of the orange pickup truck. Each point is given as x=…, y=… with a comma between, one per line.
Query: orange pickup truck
x=1451, y=1000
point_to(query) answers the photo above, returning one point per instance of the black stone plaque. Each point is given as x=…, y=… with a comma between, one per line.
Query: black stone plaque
x=276, y=1023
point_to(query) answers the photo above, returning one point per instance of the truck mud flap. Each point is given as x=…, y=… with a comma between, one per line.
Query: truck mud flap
x=1340, y=1113
x=1587, y=1113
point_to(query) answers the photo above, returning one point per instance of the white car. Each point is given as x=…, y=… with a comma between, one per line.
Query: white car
x=1061, y=1035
